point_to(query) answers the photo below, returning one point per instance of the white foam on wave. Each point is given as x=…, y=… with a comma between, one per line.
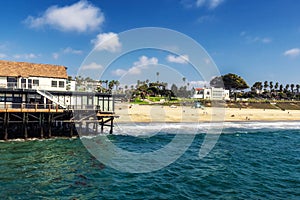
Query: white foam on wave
x=144, y=129
x=294, y=125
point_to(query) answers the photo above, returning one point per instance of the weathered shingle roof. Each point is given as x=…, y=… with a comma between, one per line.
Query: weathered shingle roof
x=25, y=69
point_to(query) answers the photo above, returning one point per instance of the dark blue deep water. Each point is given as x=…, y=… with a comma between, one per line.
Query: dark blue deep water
x=262, y=163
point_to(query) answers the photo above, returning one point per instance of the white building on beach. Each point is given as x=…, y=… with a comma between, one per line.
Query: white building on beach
x=211, y=94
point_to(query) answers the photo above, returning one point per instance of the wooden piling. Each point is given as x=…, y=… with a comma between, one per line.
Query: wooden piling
x=5, y=126
x=111, y=125
x=49, y=126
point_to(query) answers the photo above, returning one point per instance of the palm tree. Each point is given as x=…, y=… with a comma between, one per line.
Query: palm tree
x=184, y=79
x=266, y=85
x=138, y=82
x=297, y=87
x=281, y=88
x=271, y=85
x=292, y=87
x=157, y=75
x=276, y=85
x=111, y=84
x=257, y=86
x=106, y=82
x=287, y=87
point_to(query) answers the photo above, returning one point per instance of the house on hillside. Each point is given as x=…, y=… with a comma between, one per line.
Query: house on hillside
x=24, y=75
x=211, y=94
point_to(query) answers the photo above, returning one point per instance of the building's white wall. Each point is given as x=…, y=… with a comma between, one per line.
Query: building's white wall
x=207, y=94
x=72, y=85
x=226, y=95
x=212, y=94
x=44, y=83
x=3, y=82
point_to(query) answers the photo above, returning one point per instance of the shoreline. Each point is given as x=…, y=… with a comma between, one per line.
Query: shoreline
x=148, y=113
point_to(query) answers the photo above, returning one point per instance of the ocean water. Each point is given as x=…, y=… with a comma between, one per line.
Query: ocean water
x=252, y=160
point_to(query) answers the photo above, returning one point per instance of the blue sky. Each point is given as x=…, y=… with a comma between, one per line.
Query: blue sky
x=259, y=40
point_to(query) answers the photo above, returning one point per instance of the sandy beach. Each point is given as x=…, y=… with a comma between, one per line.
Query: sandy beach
x=158, y=113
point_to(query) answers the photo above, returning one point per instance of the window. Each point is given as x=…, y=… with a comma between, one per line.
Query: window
x=23, y=83
x=11, y=79
x=11, y=82
x=54, y=84
x=29, y=83
x=61, y=84
x=36, y=82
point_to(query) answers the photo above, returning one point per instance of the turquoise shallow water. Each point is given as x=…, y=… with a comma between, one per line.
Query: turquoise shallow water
x=246, y=163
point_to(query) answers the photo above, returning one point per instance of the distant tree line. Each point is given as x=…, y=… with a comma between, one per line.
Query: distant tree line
x=271, y=90
x=260, y=90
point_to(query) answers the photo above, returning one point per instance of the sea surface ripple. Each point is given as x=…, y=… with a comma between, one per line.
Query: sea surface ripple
x=246, y=163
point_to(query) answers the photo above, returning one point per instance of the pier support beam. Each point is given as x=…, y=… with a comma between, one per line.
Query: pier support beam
x=5, y=126
x=111, y=125
x=102, y=124
x=42, y=124
x=25, y=125
x=71, y=130
x=49, y=126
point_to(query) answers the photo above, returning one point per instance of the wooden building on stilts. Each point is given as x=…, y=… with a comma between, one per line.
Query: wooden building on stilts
x=35, y=103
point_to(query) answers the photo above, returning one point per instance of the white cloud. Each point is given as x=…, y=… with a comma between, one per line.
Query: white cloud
x=138, y=66
x=25, y=56
x=92, y=66
x=257, y=39
x=211, y=4
x=200, y=3
x=266, y=40
x=2, y=55
x=205, y=18
x=119, y=72
x=292, y=52
x=55, y=56
x=69, y=50
x=107, y=42
x=81, y=17
x=182, y=59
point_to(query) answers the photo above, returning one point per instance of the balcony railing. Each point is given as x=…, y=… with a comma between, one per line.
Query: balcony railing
x=22, y=106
